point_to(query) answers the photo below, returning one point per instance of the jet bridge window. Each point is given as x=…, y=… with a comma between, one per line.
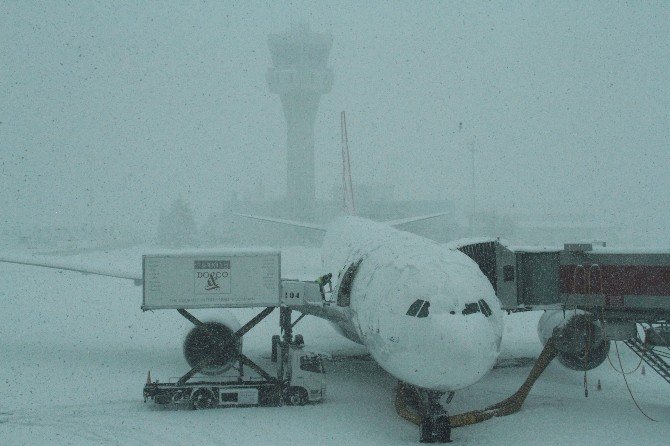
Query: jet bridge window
x=419, y=308
x=508, y=273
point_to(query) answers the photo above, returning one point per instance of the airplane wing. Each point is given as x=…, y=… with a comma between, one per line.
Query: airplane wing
x=64, y=265
x=300, y=224
x=128, y=267
x=402, y=221
x=316, y=227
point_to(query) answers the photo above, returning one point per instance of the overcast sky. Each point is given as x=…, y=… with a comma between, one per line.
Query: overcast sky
x=110, y=110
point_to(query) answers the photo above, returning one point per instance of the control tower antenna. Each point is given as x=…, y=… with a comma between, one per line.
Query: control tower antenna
x=300, y=76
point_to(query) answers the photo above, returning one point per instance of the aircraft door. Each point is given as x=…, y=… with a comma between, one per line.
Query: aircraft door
x=344, y=290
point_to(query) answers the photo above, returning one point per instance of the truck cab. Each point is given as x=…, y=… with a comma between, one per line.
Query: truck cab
x=307, y=376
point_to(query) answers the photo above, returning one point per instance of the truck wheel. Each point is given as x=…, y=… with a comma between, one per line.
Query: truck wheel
x=203, y=399
x=297, y=396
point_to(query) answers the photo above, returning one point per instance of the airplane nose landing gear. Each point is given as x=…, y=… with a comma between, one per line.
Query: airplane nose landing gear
x=435, y=427
x=423, y=408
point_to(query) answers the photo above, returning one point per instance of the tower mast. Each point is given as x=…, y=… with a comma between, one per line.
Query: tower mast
x=300, y=76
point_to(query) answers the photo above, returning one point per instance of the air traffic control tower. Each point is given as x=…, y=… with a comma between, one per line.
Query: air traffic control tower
x=300, y=76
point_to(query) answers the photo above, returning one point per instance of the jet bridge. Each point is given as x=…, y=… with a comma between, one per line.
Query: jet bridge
x=610, y=292
x=622, y=283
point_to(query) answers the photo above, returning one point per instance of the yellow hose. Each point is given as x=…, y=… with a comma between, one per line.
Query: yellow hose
x=408, y=404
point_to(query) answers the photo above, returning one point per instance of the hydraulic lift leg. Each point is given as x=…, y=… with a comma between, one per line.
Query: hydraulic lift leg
x=286, y=330
x=285, y=324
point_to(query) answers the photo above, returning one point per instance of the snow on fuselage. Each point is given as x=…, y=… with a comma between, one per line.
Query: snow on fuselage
x=426, y=313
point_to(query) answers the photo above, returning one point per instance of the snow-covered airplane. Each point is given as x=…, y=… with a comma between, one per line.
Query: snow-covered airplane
x=425, y=312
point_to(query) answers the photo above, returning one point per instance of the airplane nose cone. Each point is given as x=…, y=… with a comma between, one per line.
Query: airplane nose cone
x=467, y=350
x=444, y=352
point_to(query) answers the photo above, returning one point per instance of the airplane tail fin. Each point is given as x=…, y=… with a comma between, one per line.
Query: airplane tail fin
x=349, y=207
x=348, y=194
x=347, y=188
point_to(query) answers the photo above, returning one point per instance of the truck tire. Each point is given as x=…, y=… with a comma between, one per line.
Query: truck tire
x=178, y=396
x=297, y=396
x=203, y=398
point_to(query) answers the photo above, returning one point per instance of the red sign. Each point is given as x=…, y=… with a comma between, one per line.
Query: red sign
x=615, y=280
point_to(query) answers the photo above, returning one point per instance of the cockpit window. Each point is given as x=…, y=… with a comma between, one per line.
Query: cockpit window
x=419, y=308
x=471, y=308
x=485, y=308
x=476, y=307
x=414, y=308
x=423, y=312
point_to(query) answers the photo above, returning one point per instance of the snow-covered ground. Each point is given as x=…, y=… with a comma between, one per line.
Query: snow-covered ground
x=76, y=349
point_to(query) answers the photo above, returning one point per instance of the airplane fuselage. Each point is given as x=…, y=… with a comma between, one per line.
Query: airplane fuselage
x=426, y=313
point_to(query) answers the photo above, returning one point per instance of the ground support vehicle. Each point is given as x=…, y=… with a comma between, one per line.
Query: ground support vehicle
x=299, y=378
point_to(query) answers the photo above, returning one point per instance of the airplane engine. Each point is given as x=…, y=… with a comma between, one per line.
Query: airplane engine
x=579, y=338
x=203, y=343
